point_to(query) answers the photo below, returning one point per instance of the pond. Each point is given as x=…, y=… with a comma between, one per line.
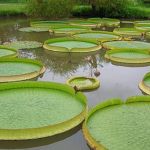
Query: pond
x=115, y=81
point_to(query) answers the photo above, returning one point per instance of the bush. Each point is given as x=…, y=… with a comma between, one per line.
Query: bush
x=113, y=8
x=137, y=12
x=50, y=8
x=12, y=9
x=82, y=11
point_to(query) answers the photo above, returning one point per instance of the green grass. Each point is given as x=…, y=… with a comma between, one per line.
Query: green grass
x=12, y=9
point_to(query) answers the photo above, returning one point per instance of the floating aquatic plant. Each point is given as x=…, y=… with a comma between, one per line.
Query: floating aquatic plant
x=24, y=44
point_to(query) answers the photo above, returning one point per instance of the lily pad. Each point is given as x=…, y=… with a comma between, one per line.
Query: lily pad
x=142, y=23
x=33, y=29
x=68, y=29
x=71, y=45
x=24, y=44
x=101, y=36
x=128, y=32
x=145, y=28
x=148, y=34
x=39, y=109
x=145, y=84
x=83, y=23
x=127, y=45
x=83, y=83
x=108, y=22
x=7, y=52
x=47, y=24
x=118, y=125
x=13, y=69
x=129, y=56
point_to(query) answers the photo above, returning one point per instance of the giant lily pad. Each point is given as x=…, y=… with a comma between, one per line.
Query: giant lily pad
x=145, y=84
x=101, y=36
x=83, y=23
x=68, y=29
x=142, y=23
x=7, y=52
x=33, y=29
x=128, y=32
x=24, y=44
x=138, y=57
x=118, y=125
x=106, y=22
x=127, y=45
x=144, y=28
x=19, y=69
x=31, y=110
x=47, y=24
x=148, y=34
x=71, y=45
x=83, y=83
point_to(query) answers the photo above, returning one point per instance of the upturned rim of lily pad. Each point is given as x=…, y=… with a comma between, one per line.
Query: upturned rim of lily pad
x=108, y=22
x=56, y=30
x=93, y=143
x=46, y=45
x=108, y=47
x=127, y=32
x=126, y=61
x=98, y=39
x=49, y=130
x=143, y=86
x=95, y=85
x=15, y=52
x=22, y=77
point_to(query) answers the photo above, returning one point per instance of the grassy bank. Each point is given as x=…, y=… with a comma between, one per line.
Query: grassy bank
x=12, y=9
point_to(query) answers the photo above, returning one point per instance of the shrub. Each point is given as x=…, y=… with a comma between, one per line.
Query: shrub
x=50, y=8
x=111, y=8
x=82, y=11
x=137, y=12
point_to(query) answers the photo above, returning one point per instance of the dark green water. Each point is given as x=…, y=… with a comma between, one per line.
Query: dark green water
x=116, y=81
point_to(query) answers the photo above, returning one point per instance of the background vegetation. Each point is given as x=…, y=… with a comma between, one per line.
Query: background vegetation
x=78, y=8
x=50, y=8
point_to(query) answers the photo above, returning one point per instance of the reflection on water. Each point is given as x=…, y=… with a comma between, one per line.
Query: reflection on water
x=115, y=80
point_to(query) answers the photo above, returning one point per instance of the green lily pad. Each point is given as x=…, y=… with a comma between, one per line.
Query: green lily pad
x=118, y=125
x=71, y=45
x=19, y=69
x=83, y=23
x=129, y=56
x=101, y=36
x=24, y=44
x=47, y=24
x=145, y=84
x=105, y=22
x=7, y=52
x=127, y=45
x=142, y=23
x=68, y=29
x=83, y=83
x=144, y=28
x=127, y=32
x=33, y=29
x=39, y=109
x=148, y=34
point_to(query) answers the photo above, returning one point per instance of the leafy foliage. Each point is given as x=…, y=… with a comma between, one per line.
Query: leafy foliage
x=50, y=8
